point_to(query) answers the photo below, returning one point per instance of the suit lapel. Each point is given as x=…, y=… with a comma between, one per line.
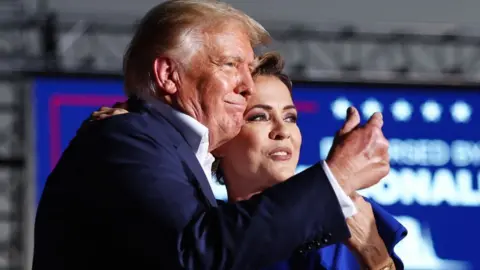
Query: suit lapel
x=180, y=143
x=192, y=162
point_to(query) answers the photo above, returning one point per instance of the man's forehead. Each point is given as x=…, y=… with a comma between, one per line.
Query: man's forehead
x=241, y=57
x=234, y=44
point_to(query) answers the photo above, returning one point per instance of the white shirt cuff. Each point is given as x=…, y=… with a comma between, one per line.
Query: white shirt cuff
x=346, y=203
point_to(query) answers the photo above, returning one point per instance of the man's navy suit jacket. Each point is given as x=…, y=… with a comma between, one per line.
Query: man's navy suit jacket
x=339, y=257
x=129, y=193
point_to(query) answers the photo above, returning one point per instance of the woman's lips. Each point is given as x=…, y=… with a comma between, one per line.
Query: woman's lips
x=280, y=154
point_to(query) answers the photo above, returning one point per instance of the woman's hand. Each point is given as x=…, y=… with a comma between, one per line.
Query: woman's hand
x=106, y=112
x=365, y=241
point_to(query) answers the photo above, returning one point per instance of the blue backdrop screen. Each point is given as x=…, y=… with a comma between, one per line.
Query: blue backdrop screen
x=434, y=184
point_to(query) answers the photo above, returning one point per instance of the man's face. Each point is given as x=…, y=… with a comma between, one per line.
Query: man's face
x=216, y=86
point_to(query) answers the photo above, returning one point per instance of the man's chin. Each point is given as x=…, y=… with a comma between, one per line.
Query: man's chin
x=225, y=133
x=234, y=124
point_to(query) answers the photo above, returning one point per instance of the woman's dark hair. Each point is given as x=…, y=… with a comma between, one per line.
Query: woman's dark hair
x=268, y=64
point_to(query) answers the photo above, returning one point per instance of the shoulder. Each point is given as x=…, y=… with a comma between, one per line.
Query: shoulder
x=132, y=136
x=132, y=122
x=133, y=127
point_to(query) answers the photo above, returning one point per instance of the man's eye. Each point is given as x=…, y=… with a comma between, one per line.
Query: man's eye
x=230, y=64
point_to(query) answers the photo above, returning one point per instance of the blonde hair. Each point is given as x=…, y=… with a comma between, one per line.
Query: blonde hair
x=174, y=29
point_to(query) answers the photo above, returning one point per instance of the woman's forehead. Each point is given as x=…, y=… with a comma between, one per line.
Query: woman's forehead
x=270, y=90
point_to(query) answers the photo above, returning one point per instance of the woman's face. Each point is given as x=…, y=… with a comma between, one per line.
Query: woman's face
x=267, y=149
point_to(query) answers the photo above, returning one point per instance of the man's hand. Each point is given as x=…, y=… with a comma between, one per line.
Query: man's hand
x=359, y=155
x=365, y=242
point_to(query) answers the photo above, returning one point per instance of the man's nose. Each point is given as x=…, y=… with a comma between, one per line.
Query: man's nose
x=247, y=86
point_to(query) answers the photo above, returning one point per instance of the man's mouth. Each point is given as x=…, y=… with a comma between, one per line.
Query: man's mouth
x=238, y=105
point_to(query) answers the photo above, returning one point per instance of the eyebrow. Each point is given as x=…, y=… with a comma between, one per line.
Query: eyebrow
x=269, y=108
x=238, y=59
x=235, y=58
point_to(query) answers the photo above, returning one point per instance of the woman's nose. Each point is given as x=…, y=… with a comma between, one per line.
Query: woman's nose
x=279, y=132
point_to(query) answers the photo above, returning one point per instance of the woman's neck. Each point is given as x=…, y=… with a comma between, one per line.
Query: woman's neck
x=236, y=197
x=240, y=188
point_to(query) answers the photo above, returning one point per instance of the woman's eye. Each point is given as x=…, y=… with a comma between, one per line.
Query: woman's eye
x=230, y=64
x=291, y=118
x=257, y=117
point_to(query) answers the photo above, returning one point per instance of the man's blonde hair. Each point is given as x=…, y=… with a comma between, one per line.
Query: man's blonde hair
x=174, y=29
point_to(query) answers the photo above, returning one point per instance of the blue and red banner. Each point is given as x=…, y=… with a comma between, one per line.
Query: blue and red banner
x=434, y=184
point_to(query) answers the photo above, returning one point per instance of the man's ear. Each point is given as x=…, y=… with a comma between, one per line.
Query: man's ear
x=165, y=70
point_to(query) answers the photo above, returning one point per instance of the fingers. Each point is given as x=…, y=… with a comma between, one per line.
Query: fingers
x=119, y=111
x=382, y=146
x=103, y=116
x=376, y=120
x=106, y=112
x=364, y=208
x=379, y=144
x=350, y=221
x=352, y=121
x=100, y=111
x=357, y=198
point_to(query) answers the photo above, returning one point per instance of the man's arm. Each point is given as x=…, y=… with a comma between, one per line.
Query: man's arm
x=346, y=203
x=341, y=186
x=174, y=228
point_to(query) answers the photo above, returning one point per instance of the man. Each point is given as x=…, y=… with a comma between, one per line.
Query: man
x=132, y=191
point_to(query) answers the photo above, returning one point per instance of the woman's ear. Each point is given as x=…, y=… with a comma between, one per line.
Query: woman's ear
x=165, y=73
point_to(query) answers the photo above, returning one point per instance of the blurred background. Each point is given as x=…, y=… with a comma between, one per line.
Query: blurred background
x=418, y=62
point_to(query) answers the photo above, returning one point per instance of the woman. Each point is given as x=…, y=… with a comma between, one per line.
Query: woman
x=266, y=152
x=269, y=144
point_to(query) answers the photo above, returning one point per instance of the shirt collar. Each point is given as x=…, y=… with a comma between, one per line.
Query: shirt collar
x=194, y=132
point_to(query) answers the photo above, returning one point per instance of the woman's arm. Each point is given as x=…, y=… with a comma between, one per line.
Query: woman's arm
x=365, y=241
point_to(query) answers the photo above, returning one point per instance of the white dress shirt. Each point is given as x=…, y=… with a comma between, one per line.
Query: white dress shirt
x=196, y=136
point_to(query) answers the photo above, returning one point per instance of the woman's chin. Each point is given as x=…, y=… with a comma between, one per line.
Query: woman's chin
x=283, y=175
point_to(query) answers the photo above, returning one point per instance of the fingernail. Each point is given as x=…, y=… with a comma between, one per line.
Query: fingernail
x=350, y=110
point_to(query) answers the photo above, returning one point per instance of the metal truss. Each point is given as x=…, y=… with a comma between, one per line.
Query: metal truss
x=340, y=54
x=47, y=44
x=13, y=174
x=348, y=55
